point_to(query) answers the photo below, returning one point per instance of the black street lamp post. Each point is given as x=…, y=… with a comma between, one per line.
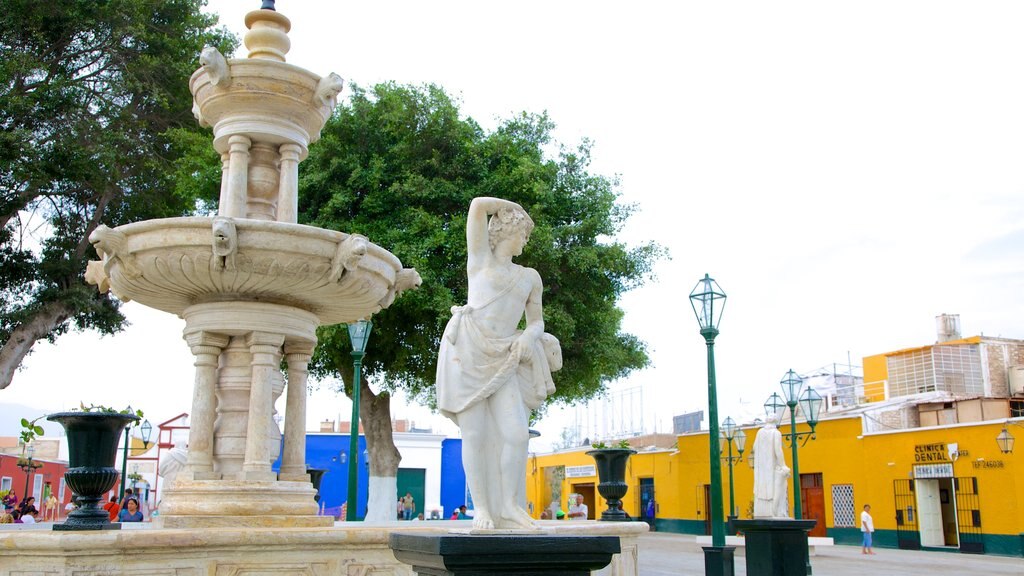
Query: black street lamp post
x=708, y=300
x=359, y=334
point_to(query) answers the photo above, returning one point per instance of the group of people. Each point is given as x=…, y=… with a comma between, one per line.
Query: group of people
x=577, y=510
x=24, y=513
x=407, y=507
x=127, y=510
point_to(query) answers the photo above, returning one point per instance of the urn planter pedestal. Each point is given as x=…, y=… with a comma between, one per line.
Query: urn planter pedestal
x=611, y=475
x=92, y=454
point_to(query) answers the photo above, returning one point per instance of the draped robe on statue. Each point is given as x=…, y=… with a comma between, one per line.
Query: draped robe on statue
x=472, y=365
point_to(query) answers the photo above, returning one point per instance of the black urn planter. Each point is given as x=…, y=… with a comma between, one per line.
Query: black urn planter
x=92, y=454
x=611, y=475
x=316, y=477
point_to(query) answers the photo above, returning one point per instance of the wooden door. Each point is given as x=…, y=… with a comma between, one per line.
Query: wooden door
x=812, y=502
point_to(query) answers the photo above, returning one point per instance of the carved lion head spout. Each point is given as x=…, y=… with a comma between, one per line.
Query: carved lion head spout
x=328, y=88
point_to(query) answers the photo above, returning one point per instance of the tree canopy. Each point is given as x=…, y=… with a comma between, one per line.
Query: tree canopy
x=400, y=165
x=95, y=128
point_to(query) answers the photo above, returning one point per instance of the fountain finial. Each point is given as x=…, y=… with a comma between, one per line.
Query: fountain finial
x=267, y=37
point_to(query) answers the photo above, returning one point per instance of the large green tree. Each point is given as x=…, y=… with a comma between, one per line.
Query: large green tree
x=95, y=128
x=400, y=165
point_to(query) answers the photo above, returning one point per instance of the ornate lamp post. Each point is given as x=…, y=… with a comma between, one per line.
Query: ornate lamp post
x=359, y=334
x=28, y=465
x=730, y=433
x=708, y=300
x=810, y=403
x=147, y=430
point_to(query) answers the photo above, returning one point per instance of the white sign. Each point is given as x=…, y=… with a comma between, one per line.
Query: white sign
x=933, y=470
x=580, y=471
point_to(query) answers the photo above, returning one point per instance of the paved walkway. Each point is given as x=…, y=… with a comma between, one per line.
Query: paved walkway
x=664, y=554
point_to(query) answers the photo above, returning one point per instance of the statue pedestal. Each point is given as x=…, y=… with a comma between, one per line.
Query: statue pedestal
x=541, y=554
x=776, y=547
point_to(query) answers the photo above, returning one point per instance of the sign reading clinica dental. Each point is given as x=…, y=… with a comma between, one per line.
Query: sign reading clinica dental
x=931, y=453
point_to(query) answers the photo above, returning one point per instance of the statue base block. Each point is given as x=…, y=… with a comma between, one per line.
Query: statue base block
x=776, y=547
x=465, y=555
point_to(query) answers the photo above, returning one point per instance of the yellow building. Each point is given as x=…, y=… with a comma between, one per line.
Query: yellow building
x=916, y=439
x=944, y=487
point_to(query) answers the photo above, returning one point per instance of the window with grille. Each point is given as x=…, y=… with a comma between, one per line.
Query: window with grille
x=842, y=506
x=951, y=368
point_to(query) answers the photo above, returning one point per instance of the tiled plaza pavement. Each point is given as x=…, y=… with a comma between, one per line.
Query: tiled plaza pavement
x=664, y=554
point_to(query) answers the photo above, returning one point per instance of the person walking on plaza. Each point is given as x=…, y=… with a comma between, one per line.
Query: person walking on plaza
x=867, y=527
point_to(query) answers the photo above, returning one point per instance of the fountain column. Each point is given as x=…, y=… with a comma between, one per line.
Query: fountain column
x=265, y=348
x=225, y=196
x=238, y=177
x=293, y=461
x=206, y=347
x=288, y=197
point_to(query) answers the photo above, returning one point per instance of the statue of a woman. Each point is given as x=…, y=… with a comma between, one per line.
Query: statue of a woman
x=490, y=374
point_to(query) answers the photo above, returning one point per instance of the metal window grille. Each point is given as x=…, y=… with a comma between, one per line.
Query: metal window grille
x=842, y=506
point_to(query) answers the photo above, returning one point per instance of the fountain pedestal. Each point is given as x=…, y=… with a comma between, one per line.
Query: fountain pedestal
x=528, y=555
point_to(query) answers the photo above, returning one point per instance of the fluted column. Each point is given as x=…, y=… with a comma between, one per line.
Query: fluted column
x=265, y=348
x=206, y=347
x=293, y=461
x=288, y=196
x=238, y=177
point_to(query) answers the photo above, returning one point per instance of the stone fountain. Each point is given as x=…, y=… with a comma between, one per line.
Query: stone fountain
x=252, y=286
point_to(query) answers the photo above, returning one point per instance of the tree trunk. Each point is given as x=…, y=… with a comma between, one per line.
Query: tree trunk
x=375, y=414
x=35, y=328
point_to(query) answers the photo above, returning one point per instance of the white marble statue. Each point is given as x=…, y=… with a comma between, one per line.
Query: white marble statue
x=771, y=498
x=489, y=373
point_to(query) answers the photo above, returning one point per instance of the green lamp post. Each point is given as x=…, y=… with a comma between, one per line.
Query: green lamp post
x=147, y=430
x=27, y=466
x=731, y=433
x=708, y=301
x=810, y=402
x=359, y=334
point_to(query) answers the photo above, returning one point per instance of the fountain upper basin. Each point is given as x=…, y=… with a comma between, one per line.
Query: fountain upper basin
x=174, y=263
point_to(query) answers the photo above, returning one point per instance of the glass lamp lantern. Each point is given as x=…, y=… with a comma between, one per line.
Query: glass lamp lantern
x=1005, y=441
x=791, y=385
x=708, y=301
x=773, y=406
x=811, y=403
x=729, y=428
x=359, y=333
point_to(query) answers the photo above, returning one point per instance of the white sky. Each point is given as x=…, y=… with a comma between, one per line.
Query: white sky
x=846, y=171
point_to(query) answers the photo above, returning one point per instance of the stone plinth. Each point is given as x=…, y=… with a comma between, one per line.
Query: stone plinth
x=776, y=547
x=528, y=555
x=358, y=548
x=233, y=504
